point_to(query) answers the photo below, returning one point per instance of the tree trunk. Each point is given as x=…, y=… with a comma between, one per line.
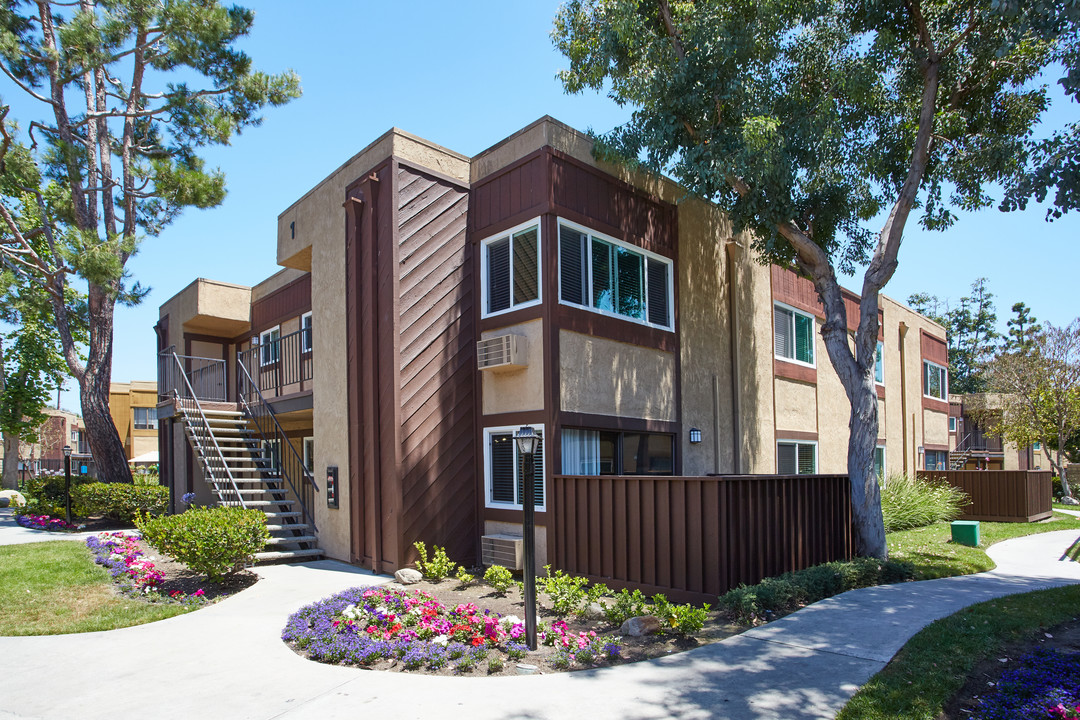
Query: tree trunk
x=105, y=444
x=11, y=462
x=867, y=520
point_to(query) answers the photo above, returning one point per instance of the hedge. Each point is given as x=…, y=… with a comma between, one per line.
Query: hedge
x=120, y=501
x=214, y=541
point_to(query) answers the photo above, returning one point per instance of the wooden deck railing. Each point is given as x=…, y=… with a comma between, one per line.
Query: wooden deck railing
x=694, y=538
x=1001, y=495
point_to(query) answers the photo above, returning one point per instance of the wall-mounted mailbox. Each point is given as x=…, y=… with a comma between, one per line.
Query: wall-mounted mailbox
x=331, y=486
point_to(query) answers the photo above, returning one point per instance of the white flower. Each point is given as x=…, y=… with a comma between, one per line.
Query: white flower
x=509, y=621
x=440, y=640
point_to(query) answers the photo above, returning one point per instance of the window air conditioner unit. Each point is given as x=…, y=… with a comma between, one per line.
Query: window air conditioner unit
x=505, y=550
x=504, y=352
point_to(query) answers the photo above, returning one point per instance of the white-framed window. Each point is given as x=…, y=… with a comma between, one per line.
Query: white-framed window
x=145, y=418
x=796, y=457
x=270, y=345
x=611, y=277
x=504, y=469
x=793, y=335
x=1036, y=446
x=879, y=363
x=271, y=455
x=309, y=454
x=74, y=436
x=935, y=381
x=305, y=332
x=510, y=269
x=879, y=463
x=952, y=424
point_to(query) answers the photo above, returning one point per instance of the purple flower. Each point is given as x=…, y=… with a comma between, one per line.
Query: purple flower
x=187, y=498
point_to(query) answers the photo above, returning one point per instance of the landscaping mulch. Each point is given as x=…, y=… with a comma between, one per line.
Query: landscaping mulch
x=178, y=577
x=984, y=677
x=450, y=594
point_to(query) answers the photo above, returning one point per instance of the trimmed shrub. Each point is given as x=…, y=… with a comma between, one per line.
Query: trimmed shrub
x=908, y=502
x=45, y=494
x=777, y=596
x=499, y=578
x=120, y=501
x=214, y=542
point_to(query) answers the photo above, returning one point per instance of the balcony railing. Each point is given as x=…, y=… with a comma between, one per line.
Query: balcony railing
x=205, y=377
x=279, y=367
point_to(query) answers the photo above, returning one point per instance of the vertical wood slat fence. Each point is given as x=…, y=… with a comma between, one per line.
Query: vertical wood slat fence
x=694, y=538
x=1000, y=495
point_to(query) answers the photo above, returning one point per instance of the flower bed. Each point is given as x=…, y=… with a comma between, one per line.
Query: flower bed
x=381, y=627
x=135, y=574
x=1045, y=685
x=44, y=522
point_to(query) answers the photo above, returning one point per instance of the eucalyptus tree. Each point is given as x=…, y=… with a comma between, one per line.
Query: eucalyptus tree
x=129, y=92
x=807, y=119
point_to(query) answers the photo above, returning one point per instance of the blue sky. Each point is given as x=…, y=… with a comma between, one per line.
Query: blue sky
x=466, y=75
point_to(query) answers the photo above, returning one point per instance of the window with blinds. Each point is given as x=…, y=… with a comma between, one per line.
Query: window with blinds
x=614, y=278
x=505, y=471
x=796, y=458
x=793, y=335
x=511, y=270
x=879, y=364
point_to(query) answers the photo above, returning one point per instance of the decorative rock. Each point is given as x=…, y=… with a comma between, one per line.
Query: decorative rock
x=1069, y=501
x=13, y=497
x=642, y=625
x=595, y=611
x=408, y=576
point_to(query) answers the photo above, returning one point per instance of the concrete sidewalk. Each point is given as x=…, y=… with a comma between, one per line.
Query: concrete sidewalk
x=226, y=661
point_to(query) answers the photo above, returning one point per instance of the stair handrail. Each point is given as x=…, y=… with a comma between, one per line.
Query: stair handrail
x=205, y=428
x=308, y=476
x=960, y=446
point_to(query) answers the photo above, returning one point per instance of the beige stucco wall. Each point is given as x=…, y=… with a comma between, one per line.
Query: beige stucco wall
x=755, y=349
x=936, y=428
x=796, y=406
x=605, y=377
x=516, y=390
x=705, y=338
x=208, y=306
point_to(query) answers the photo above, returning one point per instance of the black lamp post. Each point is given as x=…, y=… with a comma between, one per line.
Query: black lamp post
x=67, y=483
x=527, y=440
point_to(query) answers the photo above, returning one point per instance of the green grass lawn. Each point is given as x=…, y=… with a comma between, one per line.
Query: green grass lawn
x=934, y=555
x=936, y=662
x=54, y=587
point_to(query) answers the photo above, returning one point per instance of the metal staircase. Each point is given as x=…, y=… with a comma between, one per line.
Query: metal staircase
x=241, y=468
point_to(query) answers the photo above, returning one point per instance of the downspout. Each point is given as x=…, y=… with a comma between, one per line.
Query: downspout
x=903, y=396
x=733, y=324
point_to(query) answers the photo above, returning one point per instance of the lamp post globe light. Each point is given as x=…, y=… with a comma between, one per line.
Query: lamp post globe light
x=67, y=483
x=527, y=440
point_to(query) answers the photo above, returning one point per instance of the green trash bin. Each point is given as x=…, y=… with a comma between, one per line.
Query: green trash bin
x=966, y=532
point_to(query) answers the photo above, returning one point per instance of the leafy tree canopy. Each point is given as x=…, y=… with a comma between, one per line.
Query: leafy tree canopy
x=970, y=334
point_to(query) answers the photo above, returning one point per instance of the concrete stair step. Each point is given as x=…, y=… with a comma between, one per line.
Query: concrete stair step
x=289, y=540
x=269, y=503
x=287, y=528
x=282, y=514
x=277, y=555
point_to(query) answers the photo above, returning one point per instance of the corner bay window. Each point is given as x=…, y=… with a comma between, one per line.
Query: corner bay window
x=611, y=277
x=796, y=458
x=511, y=269
x=505, y=469
x=935, y=380
x=603, y=452
x=793, y=335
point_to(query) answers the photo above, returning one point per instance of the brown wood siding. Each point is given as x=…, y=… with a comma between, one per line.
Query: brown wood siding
x=286, y=302
x=1000, y=495
x=933, y=349
x=794, y=371
x=437, y=360
x=513, y=195
x=696, y=537
x=604, y=203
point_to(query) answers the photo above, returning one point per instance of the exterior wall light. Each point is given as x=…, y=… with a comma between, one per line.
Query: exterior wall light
x=695, y=435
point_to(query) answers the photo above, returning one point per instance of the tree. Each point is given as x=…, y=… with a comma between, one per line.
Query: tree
x=969, y=334
x=132, y=90
x=1040, y=393
x=31, y=368
x=804, y=121
x=1023, y=330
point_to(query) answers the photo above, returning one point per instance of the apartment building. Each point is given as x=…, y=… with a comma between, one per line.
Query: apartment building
x=133, y=406
x=431, y=303
x=973, y=445
x=60, y=428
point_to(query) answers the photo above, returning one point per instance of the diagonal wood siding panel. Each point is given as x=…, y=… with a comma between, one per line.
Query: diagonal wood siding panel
x=697, y=537
x=436, y=361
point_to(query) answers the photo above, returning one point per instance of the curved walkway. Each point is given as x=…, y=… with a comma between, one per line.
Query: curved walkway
x=226, y=661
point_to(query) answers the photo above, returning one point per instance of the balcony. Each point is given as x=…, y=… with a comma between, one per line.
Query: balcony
x=281, y=368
